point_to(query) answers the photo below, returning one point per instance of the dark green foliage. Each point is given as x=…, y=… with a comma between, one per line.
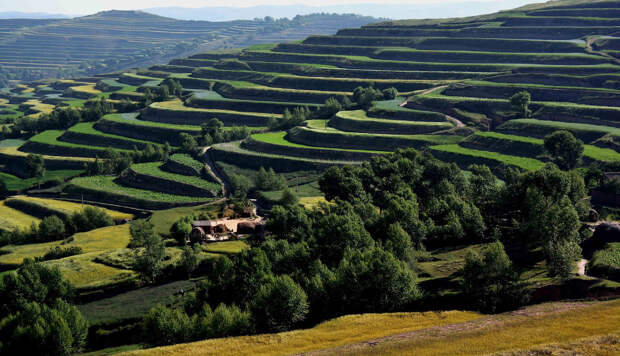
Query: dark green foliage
x=51, y=228
x=565, y=149
x=173, y=87
x=89, y=218
x=490, y=281
x=398, y=242
x=35, y=166
x=288, y=198
x=189, y=259
x=213, y=132
x=40, y=329
x=33, y=282
x=289, y=120
x=521, y=101
x=390, y=93
x=279, y=305
x=188, y=143
x=365, y=96
x=373, y=281
x=149, y=249
x=59, y=252
x=268, y=180
x=164, y=326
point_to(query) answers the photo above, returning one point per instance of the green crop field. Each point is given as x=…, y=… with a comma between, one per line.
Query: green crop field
x=154, y=169
x=106, y=185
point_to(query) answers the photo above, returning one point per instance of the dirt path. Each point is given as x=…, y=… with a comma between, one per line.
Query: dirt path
x=455, y=121
x=581, y=267
x=425, y=92
x=210, y=165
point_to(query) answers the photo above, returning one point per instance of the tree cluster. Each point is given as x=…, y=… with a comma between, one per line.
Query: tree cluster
x=35, y=315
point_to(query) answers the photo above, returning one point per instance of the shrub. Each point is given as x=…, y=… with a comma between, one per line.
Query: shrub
x=58, y=252
x=490, y=282
x=279, y=305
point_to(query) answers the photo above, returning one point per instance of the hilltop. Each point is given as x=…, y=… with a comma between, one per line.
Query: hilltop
x=116, y=40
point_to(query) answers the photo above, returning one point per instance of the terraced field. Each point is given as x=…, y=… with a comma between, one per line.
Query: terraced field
x=117, y=40
x=453, y=80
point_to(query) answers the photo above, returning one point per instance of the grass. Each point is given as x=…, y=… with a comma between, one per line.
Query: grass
x=187, y=160
x=360, y=115
x=569, y=126
x=340, y=331
x=310, y=189
x=99, y=240
x=178, y=105
x=226, y=247
x=15, y=184
x=597, y=153
x=311, y=202
x=164, y=219
x=106, y=184
x=84, y=272
x=133, y=304
x=606, y=262
x=13, y=151
x=50, y=137
x=529, y=164
x=11, y=219
x=88, y=129
x=154, y=169
x=124, y=119
x=71, y=207
x=509, y=333
x=278, y=138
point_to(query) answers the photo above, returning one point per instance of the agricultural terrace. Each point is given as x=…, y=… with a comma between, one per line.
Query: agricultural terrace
x=187, y=140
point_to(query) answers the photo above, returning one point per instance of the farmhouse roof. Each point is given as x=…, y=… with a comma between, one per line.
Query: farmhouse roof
x=207, y=223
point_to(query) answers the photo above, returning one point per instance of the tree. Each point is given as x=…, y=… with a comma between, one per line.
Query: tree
x=4, y=190
x=189, y=259
x=35, y=166
x=33, y=282
x=490, y=282
x=89, y=218
x=565, y=149
x=279, y=305
x=390, y=93
x=398, y=242
x=521, y=101
x=51, y=228
x=148, y=248
x=35, y=316
x=288, y=198
x=373, y=281
x=43, y=330
x=188, y=143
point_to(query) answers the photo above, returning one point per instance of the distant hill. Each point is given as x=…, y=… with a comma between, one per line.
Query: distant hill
x=32, y=49
x=392, y=11
x=32, y=15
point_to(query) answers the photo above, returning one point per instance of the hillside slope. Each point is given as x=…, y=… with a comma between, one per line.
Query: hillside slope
x=114, y=40
x=531, y=327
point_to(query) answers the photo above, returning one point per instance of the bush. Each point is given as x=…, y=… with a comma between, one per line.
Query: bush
x=51, y=228
x=490, y=282
x=58, y=252
x=279, y=305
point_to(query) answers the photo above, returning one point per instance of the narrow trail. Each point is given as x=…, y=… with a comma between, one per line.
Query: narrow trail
x=210, y=166
x=426, y=92
x=455, y=121
x=581, y=267
x=589, y=49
